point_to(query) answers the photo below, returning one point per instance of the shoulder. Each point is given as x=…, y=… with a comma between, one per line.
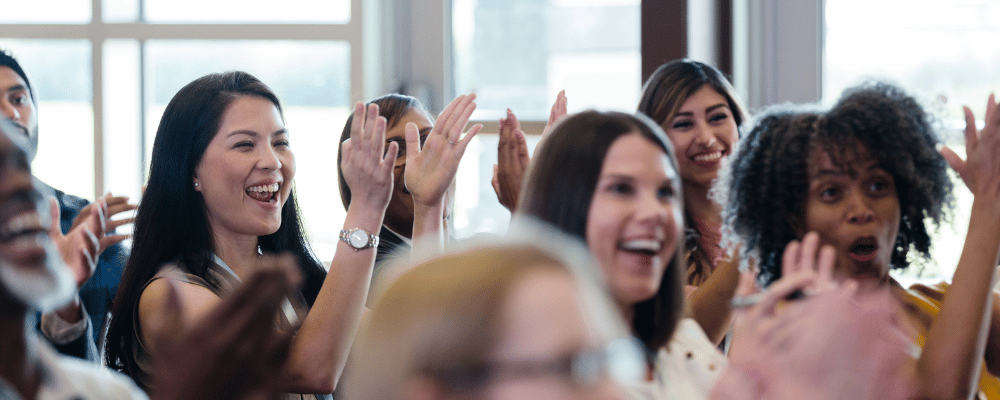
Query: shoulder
x=170, y=292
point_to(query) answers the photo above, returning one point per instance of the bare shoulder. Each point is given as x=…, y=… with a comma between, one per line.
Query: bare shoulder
x=193, y=302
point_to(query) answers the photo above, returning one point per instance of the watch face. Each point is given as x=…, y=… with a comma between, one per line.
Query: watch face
x=359, y=239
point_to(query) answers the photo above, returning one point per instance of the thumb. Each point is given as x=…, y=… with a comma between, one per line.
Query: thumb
x=412, y=135
x=953, y=159
x=54, y=227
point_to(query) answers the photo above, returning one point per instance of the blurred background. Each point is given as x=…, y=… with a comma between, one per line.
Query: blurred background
x=104, y=70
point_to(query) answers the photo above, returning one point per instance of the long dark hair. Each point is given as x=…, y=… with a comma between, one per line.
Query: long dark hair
x=171, y=224
x=560, y=186
x=663, y=94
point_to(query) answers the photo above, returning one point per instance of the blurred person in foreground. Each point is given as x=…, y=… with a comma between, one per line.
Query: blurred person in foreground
x=73, y=327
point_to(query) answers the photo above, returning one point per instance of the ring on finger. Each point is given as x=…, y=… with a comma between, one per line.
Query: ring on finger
x=453, y=143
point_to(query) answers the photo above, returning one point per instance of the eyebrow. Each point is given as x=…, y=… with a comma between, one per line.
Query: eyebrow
x=707, y=110
x=422, y=132
x=832, y=172
x=17, y=87
x=667, y=180
x=254, y=134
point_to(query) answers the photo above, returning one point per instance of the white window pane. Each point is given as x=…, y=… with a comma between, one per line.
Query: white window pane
x=943, y=52
x=46, y=11
x=59, y=73
x=120, y=10
x=520, y=53
x=253, y=11
x=312, y=80
x=122, y=127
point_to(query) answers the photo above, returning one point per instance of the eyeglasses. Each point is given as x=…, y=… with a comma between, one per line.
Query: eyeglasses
x=401, y=153
x=621, y=359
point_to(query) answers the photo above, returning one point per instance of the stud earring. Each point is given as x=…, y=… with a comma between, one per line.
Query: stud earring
x=196, y=184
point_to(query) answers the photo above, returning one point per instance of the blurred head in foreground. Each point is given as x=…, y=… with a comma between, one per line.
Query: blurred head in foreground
x=503, y=320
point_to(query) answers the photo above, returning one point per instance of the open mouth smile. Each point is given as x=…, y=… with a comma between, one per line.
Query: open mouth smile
x=863, y=249
x=266, y=193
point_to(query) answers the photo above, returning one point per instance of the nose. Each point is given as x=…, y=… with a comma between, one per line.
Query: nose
x=706, y=137
x=652, y=210
x=269, y=159
x=858, y=210
x=10, y=111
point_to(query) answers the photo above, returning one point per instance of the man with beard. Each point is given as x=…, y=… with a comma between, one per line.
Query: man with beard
x=69, y=328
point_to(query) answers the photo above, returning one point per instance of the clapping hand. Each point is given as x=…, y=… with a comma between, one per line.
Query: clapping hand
x=512, y=161
x=366, y=163
x=981, y=169
x=431, y=167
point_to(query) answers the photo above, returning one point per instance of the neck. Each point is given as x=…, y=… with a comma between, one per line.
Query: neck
x=628, y=313
x=19, y=366
x=698, y=205
x=239, y=252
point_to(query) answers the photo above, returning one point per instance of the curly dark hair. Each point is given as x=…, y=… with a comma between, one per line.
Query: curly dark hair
x=765, y=187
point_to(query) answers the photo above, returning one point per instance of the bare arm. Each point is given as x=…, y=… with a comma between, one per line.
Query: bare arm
x=709, y=304
x=949, y=365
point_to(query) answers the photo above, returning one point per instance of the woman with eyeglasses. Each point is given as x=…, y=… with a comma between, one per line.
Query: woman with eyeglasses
x=510, y=320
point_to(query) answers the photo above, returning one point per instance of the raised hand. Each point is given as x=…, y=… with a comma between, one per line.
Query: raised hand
x=82, y=245
x=512, y=161
x=557, y=112
x=431, y=168
x=366, y=164
x=981, y=169
x=235, y=350
x=115, y=205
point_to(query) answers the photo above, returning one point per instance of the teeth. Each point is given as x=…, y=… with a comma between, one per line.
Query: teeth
x=708, y=157
x=642, y=245
x=264, y=188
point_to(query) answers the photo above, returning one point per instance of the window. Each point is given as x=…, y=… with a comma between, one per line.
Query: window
x=138, y=53
x=519, y=54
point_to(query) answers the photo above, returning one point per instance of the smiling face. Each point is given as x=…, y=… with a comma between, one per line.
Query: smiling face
x=399, y=213
x=16, y=104
x=31, y=270
x=245, y=175
x=632, y=227
x=702, y=133
x=855, y=208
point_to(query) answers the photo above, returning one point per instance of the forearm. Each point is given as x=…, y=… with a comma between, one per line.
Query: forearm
x=321, y=345
x=709, y=304
x=428, y=228
x=949, y=364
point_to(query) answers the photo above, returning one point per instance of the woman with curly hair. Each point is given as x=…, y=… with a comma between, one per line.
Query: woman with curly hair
x=865, y=176
x=699, y=111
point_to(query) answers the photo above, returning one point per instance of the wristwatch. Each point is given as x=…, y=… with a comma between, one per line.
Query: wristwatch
x=358, y=238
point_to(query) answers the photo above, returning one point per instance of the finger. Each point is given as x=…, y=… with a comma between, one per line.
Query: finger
x=780, y=290
x=971, y=137
x=810, y=244
x=954, y=160
x=54, y=231
x=444, y=119
x=93, y=244
x=111, y=240
x=747, y=285
x=992, y=118
x=790, y=259
x=99, y=213
x=378, y=137
x=358, y=120
x=456, y=131
x=412, y=136
x=496, y=183
x=827, y=259
x=114, y=224
x=371, y=119
x=389, y=161
x=460, y=148
x=120, y=207
x=512, y=119
x=522, y=148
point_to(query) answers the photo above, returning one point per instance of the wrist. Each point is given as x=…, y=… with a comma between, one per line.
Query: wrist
x=71, y=312
x=365, y=218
